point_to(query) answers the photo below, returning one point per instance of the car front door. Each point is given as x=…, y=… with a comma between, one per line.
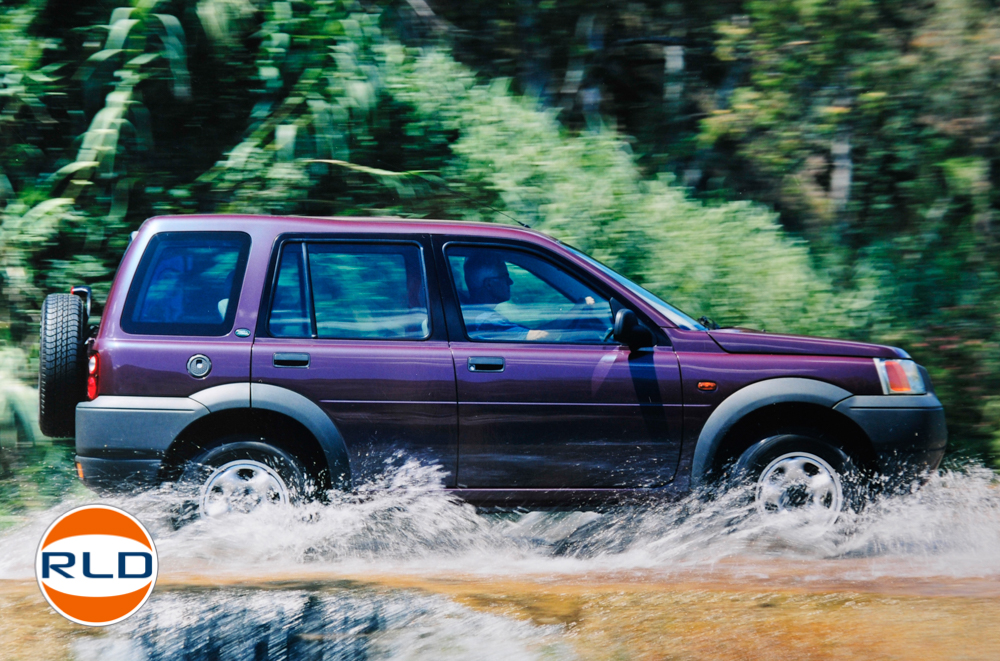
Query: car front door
x=355, y=325
x=546, y=399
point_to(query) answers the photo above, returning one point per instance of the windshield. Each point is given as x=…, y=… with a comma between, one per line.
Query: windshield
x=680, y=319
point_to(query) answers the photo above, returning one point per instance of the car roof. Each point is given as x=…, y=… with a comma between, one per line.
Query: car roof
x=354, y=224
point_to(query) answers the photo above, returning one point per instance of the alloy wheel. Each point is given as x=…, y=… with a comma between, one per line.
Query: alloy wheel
x=242, y=486
x=802, y=483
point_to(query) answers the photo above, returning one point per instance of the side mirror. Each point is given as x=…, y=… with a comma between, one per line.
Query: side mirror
x=629, y=330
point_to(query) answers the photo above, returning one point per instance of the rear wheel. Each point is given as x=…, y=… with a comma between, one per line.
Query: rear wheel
x=792, y=474
x=242, y=475
x=62, y=364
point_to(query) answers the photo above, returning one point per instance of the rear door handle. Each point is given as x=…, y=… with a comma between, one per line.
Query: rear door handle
x=486, y=364
x=291, y=360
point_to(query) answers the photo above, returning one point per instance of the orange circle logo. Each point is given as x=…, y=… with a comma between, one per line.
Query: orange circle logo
x=96, y=565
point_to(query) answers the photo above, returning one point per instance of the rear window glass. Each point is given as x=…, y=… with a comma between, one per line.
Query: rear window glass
x=188, y=283
x=359, y=291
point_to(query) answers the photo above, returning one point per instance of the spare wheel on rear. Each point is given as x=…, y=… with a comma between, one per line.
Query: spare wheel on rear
x=62, y=363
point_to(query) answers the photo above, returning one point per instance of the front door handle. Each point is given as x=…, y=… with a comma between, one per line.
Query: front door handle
x=291, y=360
x=486, y=364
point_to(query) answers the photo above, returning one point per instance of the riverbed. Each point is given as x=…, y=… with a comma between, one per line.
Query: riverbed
x=400, y=570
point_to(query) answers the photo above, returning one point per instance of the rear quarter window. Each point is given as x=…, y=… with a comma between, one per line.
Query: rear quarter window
x=187, y=283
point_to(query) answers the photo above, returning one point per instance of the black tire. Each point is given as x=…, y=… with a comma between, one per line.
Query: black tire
x=62, y=364
x=768, y=464
x=252, y=455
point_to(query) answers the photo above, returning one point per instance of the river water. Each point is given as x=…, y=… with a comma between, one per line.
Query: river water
x=399, y=569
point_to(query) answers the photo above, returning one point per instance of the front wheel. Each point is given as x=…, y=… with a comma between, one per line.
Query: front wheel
x=802, y=476
x=241, y=476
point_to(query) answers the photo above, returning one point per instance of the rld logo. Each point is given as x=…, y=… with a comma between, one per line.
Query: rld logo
x=96, y=565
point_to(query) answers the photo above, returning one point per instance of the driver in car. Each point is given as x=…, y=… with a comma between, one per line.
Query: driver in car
x=489, y=281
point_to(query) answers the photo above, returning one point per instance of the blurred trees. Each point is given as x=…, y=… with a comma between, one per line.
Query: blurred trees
x=863, y=133
x=874, y=127
x=869, y=126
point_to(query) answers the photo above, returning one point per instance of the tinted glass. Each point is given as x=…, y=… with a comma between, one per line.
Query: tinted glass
x=679, y=318
x=188, y=283
x=360, y=291
x=508, y=295
x=289, y=313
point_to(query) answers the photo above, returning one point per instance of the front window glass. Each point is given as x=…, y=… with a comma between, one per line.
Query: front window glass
x=359, y=291
x=509, y=295
x=188, y=283
x=677, y=317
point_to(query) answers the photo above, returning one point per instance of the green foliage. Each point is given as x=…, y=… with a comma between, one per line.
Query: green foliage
x=80, y=207
x=34, y=472
x=868, y=122
x=839, y=114
x=730, y=261
x=35, y=477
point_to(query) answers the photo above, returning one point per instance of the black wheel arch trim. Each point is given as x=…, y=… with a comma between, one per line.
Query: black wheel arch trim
x=263, y=396
x=311, y=416
x=178, y=414
x=749, y=399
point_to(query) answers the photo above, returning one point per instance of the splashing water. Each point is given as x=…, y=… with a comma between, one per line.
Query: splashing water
x=402, y=521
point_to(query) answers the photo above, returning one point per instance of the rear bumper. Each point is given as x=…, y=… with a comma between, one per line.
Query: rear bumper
x=907, y=432
x=120, y=441
x=106, y=475
x=121, y=425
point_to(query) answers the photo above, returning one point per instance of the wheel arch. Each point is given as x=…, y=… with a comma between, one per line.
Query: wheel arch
x=285, y=418
x=773, y=406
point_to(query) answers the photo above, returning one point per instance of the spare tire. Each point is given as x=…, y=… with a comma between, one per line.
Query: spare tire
x=62, y=364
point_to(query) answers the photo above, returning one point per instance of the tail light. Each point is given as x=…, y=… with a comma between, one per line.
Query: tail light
x=900, y=377
x=93, y=376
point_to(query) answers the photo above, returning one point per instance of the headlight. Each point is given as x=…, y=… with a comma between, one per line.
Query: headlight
x=900, y=377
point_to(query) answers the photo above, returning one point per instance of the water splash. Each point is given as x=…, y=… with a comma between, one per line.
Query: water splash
x=402, y=521
x=949, y=526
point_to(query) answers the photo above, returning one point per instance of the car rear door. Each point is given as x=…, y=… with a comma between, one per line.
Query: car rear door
x=546, y=399
x=354, y=323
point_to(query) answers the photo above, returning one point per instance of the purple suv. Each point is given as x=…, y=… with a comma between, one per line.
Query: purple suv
x=258, y=355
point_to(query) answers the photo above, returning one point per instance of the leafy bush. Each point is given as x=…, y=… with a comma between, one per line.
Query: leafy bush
x=314, y=107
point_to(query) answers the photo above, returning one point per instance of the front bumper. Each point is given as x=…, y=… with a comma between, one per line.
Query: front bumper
x=907, y=432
